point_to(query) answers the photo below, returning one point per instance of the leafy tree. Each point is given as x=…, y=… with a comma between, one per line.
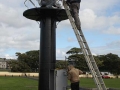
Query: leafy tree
x=80, y=62
x=18, y=66
x=98, y=61
x=111, y=63
x=60, y=64
x=78, y=58
x=31, y=58
x=74, y=51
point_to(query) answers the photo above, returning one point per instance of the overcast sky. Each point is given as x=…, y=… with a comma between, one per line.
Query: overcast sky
x=100, y=20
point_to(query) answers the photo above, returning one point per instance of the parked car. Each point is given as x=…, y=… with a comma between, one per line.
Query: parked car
x=105, y=76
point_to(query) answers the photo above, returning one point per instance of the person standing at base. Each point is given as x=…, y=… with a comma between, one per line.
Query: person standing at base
x=73, y=76
x=74, y=6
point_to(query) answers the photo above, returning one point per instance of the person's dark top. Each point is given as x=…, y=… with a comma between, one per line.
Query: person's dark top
x=73, y=1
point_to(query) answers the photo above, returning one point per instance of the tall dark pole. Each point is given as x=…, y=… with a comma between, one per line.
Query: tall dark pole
x=47, y=60
x=47, y=53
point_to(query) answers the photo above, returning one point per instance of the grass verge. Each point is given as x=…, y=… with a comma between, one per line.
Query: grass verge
x=21, y=83
x=18, y=83
x=110, y=83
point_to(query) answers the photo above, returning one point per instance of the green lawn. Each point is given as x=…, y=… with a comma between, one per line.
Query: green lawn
x=21, y=83
x=110, y=83
x=18, y=83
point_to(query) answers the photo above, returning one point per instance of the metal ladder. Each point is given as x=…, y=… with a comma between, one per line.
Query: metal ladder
x=86, y=52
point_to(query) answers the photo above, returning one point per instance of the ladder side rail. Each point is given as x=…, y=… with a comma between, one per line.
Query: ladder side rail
x=84, y=51
x=91, y=68
x=77, y=35
x=91, y=56
x=98, y=74
x=94, y=63
x=99, y=81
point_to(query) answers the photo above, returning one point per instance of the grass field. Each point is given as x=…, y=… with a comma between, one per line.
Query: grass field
x=18, y=83
x=110, y=83
x=21, y=83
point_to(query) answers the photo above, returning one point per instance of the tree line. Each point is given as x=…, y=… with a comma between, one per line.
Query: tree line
x=26, y=62
x=29, y=61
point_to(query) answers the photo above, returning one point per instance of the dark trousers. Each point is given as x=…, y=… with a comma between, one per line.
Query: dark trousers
x=75, y=86
x=74, y=7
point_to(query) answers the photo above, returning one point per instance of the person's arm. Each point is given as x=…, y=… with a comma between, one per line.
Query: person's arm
x=80, y=72
x=69, y=76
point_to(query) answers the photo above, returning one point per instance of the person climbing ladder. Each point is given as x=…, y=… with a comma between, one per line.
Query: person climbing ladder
x=74, y=6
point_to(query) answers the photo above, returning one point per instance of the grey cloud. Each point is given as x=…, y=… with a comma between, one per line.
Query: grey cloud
x=98, y=5
x=13, y=17
x=112, y=30
x=24, y=38
x=22, y=34
x=114, y=44
x=113, y=47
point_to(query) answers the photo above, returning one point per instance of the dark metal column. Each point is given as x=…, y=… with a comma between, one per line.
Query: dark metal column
x=45, y=54
x=47, y=18
x=53, y=54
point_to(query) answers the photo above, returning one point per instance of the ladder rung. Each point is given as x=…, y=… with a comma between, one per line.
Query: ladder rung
x=100, y=83
x=81, y=35
x=90, y=55
x=98, y=76
x=84, y=41
x=87, y=54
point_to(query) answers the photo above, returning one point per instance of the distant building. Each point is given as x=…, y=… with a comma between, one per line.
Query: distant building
x=3, y=63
